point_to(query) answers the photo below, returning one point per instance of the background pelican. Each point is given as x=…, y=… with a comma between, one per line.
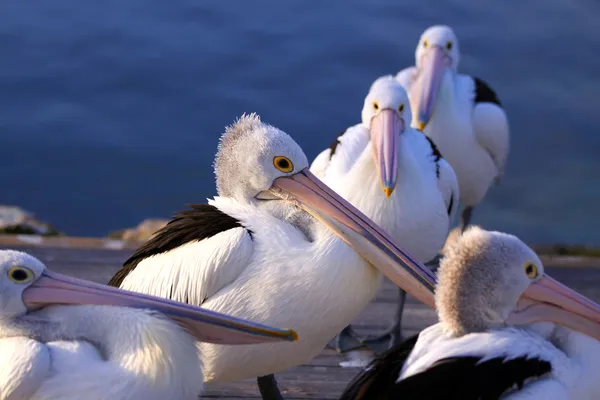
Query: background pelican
x=100, y=352
x=460, y=113
x=489, y=280
x=265, y=249
x=397, y=177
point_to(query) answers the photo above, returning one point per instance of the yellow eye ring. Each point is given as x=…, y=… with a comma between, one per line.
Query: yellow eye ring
x=449, y=45
x=283, y=164
x=401, y=108
x=531, y=270
x=425, y=43
x=20, y=274
x=375, y=106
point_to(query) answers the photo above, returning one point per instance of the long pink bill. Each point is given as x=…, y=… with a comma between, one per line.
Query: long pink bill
x=386, y=128
x=362, y=234
x=204, y=325
x=550, y=300
x=435, y=63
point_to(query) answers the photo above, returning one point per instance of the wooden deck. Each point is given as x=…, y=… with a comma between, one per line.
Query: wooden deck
x=323, y=378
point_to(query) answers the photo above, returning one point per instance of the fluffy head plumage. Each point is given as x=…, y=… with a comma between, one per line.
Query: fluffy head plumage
x=481, y=278
x=438, y=35
x=244, y=161
x=386, y=92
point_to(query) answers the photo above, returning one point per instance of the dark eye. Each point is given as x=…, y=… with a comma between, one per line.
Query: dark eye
x=449, y=45
x=20, y=274
x=283, y=164
x=375, y=106
x=425, y=43
x=401, y=108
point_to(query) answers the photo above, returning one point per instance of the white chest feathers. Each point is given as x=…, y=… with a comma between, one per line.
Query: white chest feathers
x=415, y=214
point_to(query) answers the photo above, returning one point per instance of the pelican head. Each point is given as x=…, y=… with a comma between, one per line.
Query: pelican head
x=257, y=163
x=26, y=285
x=437, y=54
x=491, y=279
x=385, y=110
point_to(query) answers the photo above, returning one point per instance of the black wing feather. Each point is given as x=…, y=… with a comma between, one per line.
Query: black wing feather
x=379, y=377
x=451, y=203
x=333, y=146
x=484, y=93
x=435, y=152
x=466, y=378
x=200, y=222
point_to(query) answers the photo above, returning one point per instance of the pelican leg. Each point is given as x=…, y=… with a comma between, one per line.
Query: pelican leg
x=267, y=385
x=347, y=340
x=393, y=335
x=465, y=217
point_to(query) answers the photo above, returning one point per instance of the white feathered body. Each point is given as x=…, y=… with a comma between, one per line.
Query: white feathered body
x=274, y=276
x=473, y=138
x=416, y=214
x=131, y=354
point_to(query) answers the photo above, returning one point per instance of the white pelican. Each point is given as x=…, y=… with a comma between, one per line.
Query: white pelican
x=100, y=351
x=488, y=283
x=460, y=113
x=271, y=247
x=382, y=152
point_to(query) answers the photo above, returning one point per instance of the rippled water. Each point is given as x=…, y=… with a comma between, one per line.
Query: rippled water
x=110, y=111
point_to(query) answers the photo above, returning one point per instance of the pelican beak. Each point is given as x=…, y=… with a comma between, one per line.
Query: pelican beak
x=205, y=325
x=550, y=300
x=435, y=62
x=362, y=234
x=386, y=128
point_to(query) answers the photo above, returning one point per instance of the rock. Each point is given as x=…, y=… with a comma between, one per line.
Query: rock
x=141, y=233
x=14, y=220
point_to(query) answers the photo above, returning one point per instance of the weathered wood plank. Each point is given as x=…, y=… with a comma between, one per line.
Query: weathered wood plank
x=106, y=244
x=304, y=382
x=65, y=242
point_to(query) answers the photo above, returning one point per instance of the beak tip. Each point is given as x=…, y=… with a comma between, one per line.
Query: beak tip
x=421, y=125
x=388, y=191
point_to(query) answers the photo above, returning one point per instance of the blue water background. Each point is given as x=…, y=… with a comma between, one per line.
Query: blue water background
x=110, y=111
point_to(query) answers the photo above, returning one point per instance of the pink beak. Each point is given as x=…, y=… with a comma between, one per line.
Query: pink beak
x=550, y=300
x=435, y=62
x=386, y=128
x=204, y=325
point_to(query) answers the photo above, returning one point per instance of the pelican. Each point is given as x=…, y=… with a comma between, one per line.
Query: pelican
x=272, y=247
x=507, y=330
x=397, y=177
x=118, y=346
x=460, y=113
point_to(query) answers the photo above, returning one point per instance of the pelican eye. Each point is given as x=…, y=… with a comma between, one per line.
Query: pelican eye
x=283, y=164
x=531, y=270
x=375, y=106
x=20, y=274
x=449, y=45
x=425, y=43
x=401, y=108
